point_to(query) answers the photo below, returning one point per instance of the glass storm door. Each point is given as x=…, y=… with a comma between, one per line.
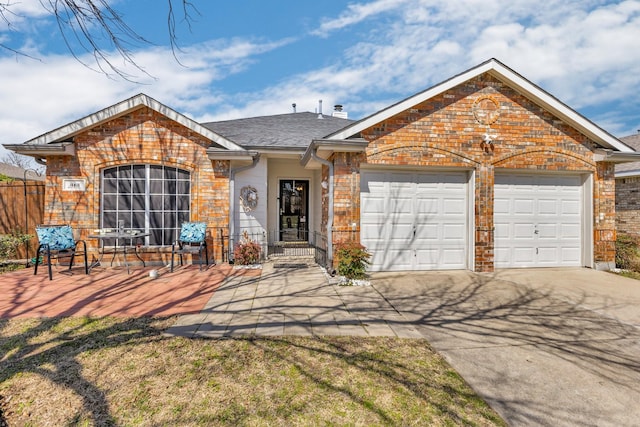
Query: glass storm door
x=294, y=209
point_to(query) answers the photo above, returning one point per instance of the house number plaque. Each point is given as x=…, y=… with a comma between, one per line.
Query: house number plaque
x=74, y=185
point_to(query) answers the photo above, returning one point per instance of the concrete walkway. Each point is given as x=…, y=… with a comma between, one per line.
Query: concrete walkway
x=293, y=300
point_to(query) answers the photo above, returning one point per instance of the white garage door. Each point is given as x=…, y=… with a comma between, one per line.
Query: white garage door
x=538, y=221
x=414, y=221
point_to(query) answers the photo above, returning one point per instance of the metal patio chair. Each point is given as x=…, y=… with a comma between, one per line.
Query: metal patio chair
x=192, y=240
x=56, y=242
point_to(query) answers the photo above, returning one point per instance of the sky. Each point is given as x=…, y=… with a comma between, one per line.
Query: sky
x=247, y=58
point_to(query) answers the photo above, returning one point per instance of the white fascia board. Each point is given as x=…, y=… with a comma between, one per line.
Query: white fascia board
x=627, y=174
x=601, y=155
x=325, y=147
x=231, y=154
x=55, y=149
x=513, y=80
x=122, y=108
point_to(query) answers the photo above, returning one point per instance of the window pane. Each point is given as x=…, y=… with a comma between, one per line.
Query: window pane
x=155, y=203
x=124, y=172
x=156, y=237
x=124, y=186
x=109, y=202
x=138, y=220
x=169, y=203
x=155, y=172
x=183, y=203
x=169, y=220
x=170, y=173
x=183, y=217
x=155, y=220
x=139, y=171
x=182, y=187
x=110, y=173
x=138, y=186
x=155, y=187
x=137, y=202
x=169, y=187
x=110, y=186
x=182, y=174
x=109, y=219
x=168, y=237
x=124, y=202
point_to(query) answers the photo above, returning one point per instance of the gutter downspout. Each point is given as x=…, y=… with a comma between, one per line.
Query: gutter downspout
x=314, y=156
x=232, y=186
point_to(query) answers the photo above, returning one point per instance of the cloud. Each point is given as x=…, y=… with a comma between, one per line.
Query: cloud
x=355, y=14
x=56, y=89
x=585, y=52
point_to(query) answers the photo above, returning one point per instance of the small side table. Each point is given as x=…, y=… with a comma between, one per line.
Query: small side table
x=118, y=236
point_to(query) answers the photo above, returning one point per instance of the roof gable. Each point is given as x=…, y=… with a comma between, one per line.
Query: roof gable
x=67, y=131
x=510, y=78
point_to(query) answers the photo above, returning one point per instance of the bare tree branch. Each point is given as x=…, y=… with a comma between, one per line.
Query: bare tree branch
x=95, y=27
x=24, y=162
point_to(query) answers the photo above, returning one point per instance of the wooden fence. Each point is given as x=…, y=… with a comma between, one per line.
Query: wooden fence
x=21, y=209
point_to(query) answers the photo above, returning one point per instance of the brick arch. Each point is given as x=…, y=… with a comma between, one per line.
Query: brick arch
x=553, y=159
x=98, y=167
x=414, y=154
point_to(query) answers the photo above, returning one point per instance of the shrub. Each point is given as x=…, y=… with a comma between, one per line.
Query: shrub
x=10, y=243
x=247, y=251
x=352, y=259
x=627, y=252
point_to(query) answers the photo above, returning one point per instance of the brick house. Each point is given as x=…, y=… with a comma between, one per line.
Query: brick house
x=628, y=191
x=483, y=171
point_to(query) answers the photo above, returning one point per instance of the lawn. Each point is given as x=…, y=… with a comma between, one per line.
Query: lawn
x=108, y=371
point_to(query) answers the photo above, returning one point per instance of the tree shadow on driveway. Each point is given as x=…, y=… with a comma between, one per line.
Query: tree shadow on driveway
x=539, y=354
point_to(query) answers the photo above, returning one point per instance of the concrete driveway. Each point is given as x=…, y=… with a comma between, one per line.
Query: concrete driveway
x=551, y=347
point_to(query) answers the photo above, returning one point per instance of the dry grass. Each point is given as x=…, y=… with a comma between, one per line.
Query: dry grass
x=86, y=371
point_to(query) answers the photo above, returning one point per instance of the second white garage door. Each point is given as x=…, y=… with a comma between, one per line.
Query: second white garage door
x=538, y=220
x=415, y=221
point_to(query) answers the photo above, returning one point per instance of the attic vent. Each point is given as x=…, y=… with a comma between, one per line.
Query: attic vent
x=337, y=112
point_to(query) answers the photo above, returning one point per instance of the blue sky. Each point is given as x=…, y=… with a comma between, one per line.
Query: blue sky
x=257, y=57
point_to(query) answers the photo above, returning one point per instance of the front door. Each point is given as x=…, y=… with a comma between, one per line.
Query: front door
x=294, y=210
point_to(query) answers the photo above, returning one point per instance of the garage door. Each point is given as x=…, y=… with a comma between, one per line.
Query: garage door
x=414, y=221
x=538, y=221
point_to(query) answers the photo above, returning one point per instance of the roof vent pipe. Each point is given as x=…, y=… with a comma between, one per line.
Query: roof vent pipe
x=294, y=107
x=320, y=109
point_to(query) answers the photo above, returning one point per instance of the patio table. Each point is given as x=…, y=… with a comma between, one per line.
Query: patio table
x=119, y=236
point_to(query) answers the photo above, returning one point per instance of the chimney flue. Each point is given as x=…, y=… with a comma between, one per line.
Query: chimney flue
x=337, y=112
x=294, y=107
x=320, y=109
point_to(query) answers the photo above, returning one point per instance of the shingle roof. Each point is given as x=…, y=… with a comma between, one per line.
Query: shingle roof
x=632, y=141
x=294, y=130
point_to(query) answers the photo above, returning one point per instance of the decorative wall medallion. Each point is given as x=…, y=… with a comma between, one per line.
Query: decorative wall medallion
x=249, y=198
x=486, y=110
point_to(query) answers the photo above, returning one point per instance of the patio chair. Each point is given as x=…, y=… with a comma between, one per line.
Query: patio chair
x=192, y=240
x=56, y=242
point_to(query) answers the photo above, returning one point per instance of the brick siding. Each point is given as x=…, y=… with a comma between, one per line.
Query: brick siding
x=443, y=132
x=628, y=205
x=144, y=137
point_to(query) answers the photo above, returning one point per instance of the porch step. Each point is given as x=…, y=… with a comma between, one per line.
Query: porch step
x=301, y=261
